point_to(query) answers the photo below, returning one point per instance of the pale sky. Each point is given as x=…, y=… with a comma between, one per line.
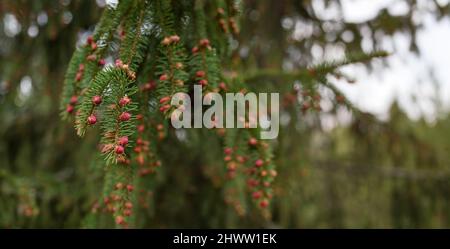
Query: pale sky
x=407, y=78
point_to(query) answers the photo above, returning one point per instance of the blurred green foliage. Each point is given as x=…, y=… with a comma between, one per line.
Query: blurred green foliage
x=366, y=174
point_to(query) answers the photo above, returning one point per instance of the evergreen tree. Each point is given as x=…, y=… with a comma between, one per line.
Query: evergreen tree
x=133, y=169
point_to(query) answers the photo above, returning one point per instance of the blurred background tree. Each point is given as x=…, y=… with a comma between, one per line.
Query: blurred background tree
x=366, y=173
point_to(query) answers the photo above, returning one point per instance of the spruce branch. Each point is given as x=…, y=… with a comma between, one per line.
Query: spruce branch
x=319, y=69
x=86, y=60
x=100, y=86
x=118, y=120
x=205, y=67
x=164, y=17
x=138, y=31
x=171, y=71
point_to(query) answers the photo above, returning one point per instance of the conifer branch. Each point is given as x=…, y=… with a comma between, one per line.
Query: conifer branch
x=86, y=61
x=320, y=69
x=152, y=53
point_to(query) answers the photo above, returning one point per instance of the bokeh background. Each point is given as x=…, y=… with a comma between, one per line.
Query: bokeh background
x=384, y=167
